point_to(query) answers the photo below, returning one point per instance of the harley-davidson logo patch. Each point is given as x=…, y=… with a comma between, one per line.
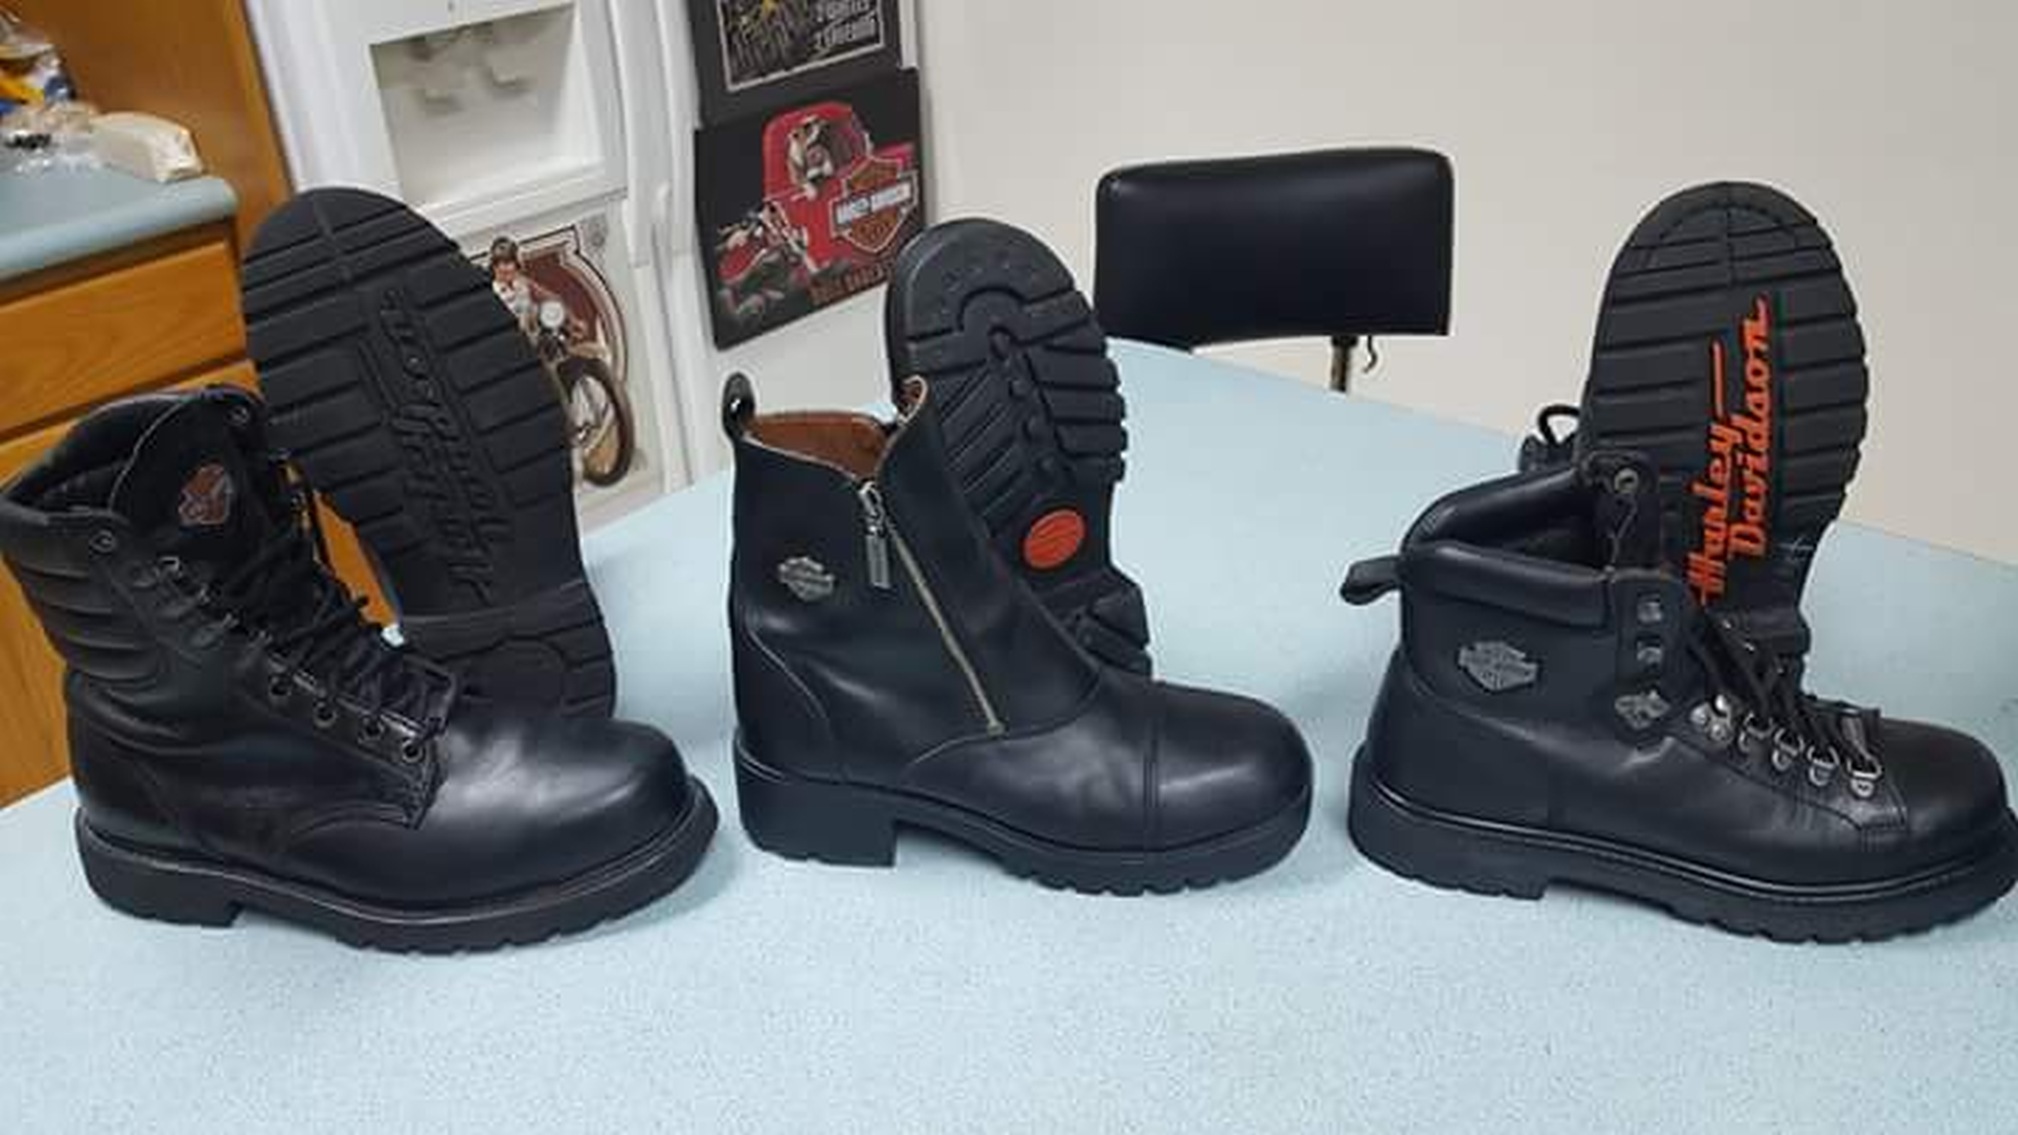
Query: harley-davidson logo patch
x=206, y=498
x=806, y=578
x=880, y=195
x=1498, y=666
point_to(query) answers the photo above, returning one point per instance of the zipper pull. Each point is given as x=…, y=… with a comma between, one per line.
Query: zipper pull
x=876, y=535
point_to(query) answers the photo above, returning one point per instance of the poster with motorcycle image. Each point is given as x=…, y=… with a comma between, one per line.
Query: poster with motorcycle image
x=551, y=282
x=804, y=207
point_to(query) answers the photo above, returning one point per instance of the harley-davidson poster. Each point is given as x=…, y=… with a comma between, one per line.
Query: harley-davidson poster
x=758, y=55
x=808, y=206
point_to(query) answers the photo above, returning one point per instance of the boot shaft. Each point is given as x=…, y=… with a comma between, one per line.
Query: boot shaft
x=118, y=529
x=871, y=622
x=164, y=554
x=1537, y=597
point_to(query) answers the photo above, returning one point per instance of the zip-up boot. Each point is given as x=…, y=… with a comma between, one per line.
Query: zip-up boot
x=241, y=737
x=1031, y=410
x=891, y=669
x=1561, y=710
x=1728, y=351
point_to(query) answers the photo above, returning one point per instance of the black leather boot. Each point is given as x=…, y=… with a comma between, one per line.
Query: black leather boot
x=407, y=394
x=241, y=737
x=891, y=669
x=1728, y=351
x=1561, y=710
x=1031, y=410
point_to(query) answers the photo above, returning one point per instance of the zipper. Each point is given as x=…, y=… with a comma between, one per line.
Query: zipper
x=879, y=533
x=875, y=536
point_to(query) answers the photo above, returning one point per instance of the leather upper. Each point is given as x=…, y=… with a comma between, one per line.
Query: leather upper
x=190, y=730
x=853, y=682
x=1334, y=242
x=1504, y=703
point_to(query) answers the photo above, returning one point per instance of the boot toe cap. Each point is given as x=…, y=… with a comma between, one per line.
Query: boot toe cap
x=1224, y=763
x=1949, y=784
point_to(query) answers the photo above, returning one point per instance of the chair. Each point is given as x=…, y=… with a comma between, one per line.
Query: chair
x=1340, y=243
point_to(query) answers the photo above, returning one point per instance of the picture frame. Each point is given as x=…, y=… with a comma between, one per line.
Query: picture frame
x=754, y=56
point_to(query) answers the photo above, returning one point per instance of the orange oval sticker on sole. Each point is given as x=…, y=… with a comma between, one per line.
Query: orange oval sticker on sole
x=1053, y=538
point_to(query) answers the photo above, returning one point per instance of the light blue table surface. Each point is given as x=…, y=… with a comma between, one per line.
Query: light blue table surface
x=945, y=996
x=63, y=215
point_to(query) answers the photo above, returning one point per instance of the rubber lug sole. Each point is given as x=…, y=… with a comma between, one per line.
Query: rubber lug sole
x=154, y=885
x=1492, y=858
x=408, y=397
x=854, y=825
x=1702, y=268
x=1032, y=413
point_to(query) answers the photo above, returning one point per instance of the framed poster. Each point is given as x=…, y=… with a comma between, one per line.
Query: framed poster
x=807, y=206
x=757, y=55
x=552, y=281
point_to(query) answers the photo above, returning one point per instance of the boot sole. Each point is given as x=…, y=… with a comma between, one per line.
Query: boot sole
x=1032, y=412
x=852, y=825
x=1696, y=268
x=407, y=395
x=153, y=885
x=1489, y=857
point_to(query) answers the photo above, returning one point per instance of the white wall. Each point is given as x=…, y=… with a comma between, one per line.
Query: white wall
x=1566, y=119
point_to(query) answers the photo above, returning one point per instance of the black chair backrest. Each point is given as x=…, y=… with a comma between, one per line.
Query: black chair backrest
x=1340, y=243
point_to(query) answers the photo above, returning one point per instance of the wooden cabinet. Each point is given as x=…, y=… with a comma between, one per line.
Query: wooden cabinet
x=156, y=314
x=163, y=314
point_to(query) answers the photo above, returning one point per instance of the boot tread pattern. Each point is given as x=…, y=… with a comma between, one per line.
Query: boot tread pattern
x=410, y=399
x=1685, y=278
x=1031, y=409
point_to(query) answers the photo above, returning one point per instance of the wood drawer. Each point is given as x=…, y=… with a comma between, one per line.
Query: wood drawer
x=104, y=335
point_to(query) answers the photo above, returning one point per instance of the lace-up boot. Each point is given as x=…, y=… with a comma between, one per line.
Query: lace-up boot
x=1561, y=710
x=241, y=737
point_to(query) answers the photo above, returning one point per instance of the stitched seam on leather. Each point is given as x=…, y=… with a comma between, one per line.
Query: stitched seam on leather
x=945, y=748
x=1460, y=710
x=152, y=787
x=805, y=692
x=287, y=836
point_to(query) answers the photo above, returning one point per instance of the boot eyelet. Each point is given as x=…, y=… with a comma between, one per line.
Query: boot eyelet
x=104, y=542
x=410, y=752
x=171, y=566
x=1626, y=481
x=1821, y=771
x=1650, y=610
x=371, y=730
x=1786, y=749
x=1753, y=736
x=325, y=715
x=279, y=690
x=1863, y=785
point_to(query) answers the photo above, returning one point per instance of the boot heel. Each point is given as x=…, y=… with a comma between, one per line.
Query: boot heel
x=807, y=819
x=1434, y=851
x=132, y=883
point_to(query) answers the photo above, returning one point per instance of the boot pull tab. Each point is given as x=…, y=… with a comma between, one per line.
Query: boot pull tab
x=911, y=395
x=739, y=405
x=1368, y=580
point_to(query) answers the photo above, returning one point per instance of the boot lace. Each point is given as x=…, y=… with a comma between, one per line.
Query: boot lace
x=1762, y=694
x=287, y=597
